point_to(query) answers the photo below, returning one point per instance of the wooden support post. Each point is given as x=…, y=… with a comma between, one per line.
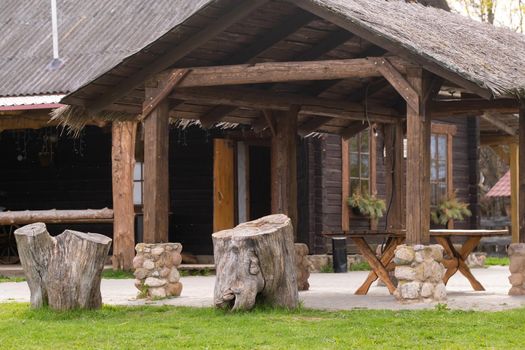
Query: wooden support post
x=395, y=176
x=223, y=185
x=123, y=162
x=284, y=165
x=521, y=170
x=156, y=172
x=418, y=164
x=514, y=192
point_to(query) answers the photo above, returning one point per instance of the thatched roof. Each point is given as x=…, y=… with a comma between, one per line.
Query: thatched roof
x=476, y=56
x=94, y=36
x=490, y=57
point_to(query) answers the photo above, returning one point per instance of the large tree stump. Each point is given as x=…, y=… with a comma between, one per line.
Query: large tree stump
x=256, y=258
x=63, y=272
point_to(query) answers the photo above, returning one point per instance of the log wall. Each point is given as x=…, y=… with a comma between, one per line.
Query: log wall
x=325, y=182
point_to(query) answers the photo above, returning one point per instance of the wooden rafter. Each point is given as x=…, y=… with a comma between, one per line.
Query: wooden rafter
x=275, y=35
x=493, y=119
x=328, y=44
x=237, y=12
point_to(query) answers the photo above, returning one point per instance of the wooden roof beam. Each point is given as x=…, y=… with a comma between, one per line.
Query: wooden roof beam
x=283, y=72
x=471, y=107
x=328, y=44
x=237, y=12
x=497, y=140
x=493, y=119
x=259, y=99
x=353, y=129
x=312, y=124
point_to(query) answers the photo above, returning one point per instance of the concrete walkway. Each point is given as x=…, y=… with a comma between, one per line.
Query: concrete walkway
x=327, y=291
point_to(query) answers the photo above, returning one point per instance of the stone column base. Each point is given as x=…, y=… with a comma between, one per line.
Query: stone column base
x=302, y=266
x=420, y=273
x=517, y=268
x=156, y=274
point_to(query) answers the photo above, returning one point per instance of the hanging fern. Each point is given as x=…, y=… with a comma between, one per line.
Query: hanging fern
x=367, y=205
x=450, y=209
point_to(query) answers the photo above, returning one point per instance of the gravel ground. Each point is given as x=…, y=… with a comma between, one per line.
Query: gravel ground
x=328, y=291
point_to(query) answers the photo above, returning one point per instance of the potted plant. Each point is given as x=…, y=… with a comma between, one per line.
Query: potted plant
x=450, y=209
x=367, y=205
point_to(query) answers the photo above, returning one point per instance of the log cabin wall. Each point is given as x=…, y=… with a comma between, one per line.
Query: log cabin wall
x=79, y=177
x=326, y=182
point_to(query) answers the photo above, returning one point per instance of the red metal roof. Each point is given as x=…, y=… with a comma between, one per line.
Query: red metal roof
x=501, y=188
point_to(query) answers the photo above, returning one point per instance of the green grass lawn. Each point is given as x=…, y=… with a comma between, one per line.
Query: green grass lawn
x=492, y=261
x=183, y=328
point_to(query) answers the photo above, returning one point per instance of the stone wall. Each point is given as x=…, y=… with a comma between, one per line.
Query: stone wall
x=420, y=273
x=156, y=274
x=517, y=268
x=302, y=269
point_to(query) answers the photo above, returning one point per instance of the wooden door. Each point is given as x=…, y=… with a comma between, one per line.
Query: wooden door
x=223, y=185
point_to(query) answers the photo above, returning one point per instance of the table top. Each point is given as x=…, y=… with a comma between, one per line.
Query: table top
x=433, y=233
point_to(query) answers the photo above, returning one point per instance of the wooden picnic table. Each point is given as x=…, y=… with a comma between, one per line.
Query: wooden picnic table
x=454, y=260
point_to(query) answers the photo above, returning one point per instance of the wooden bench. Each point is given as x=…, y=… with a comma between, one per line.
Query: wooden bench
x=454, y=261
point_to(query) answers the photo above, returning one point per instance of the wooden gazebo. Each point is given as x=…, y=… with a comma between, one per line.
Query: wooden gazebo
x=289, y=68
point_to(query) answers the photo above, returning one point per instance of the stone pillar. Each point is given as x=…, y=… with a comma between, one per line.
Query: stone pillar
x=156, y=274
x=420, y=273
x=302, y=266
x=517, y=268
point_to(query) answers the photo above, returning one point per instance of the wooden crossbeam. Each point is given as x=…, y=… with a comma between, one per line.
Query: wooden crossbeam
x=496, y=140
x=398, y=81
x=493, y=119
x=258, y=99
x=470, y=107
x=353, y=129
x=280, y=72
x=313, y=124
x=237, y=12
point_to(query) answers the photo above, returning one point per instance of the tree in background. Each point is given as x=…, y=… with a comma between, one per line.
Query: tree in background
x=503, y=13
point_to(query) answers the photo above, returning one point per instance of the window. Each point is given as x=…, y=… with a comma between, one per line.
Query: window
x=441, y=162
x=358, y=170
x=438, y=169
x=138, y=184
x=359, y=163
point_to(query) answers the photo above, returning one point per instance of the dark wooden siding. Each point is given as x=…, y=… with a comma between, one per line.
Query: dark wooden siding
x=78, y=178
x=326, y=181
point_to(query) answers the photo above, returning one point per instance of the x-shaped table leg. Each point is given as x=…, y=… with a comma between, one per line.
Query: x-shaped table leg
x=457, y=259
x=379, y=266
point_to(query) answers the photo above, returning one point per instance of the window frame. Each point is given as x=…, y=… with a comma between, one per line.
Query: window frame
x=345, y=170
x=448, y=130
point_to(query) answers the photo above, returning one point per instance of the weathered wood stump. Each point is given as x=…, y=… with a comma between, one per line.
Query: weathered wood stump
x=63, y=272
x=256, y=258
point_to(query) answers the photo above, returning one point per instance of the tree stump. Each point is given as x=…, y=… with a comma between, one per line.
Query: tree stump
x=63, y=272
x=256, y=258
